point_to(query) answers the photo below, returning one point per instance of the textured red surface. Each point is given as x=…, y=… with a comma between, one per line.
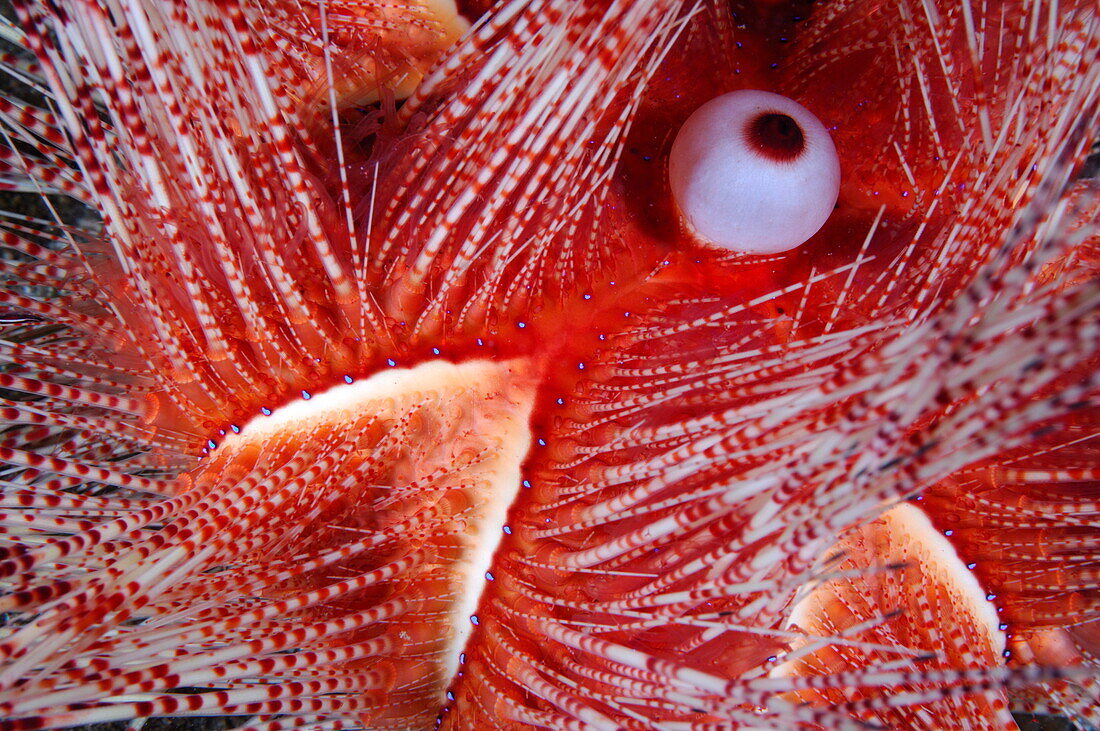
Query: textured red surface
x=705, y=425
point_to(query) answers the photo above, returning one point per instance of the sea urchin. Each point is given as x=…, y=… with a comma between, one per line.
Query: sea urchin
x=344, y=412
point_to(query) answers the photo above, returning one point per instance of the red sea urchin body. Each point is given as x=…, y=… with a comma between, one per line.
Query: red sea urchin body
x=260, y=428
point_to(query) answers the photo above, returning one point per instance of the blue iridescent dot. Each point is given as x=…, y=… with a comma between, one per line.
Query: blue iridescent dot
x=348, y=379
x=971, y=566
x=542, y=442
x=236, y=429
x=265, y=411
x=450, y=696
x=489, y=576
x=521, y=325
x=474, y=620
x=508, y=530
x=580, y=366
x=479, y=341
x=587, y=296
x=391, y=362
x=526, y=483
x=211, y=444
x=307, y=395
x=561, y=402
x=435, y=351
x=949, y=533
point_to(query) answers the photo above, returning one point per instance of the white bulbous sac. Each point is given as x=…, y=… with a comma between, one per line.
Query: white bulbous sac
x=754, y=172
